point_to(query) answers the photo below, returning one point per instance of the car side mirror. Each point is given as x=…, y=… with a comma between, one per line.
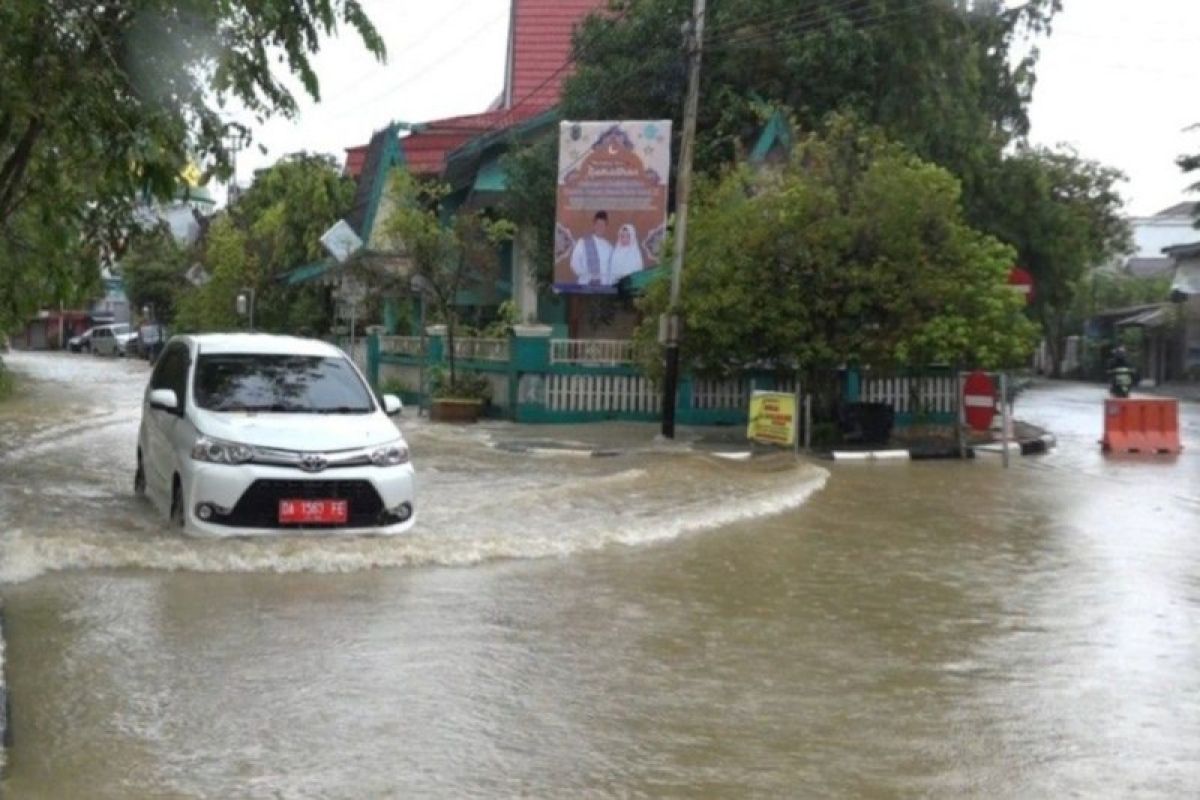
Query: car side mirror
x=392, y=405
x=164, y=400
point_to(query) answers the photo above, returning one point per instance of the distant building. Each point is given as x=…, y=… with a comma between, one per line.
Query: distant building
x=1152, y=235
x=1185, y=291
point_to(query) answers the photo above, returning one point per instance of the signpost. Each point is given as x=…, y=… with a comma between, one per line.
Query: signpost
x=773, y=418
x=979, y=400
x=1022, y=283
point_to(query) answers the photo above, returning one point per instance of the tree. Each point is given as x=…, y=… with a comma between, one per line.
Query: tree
x=854, y=252
x=447, y=257
x=274, y=227
x=105, y=102
x=1190, y=164
x=153, y=267
x=1063, y=214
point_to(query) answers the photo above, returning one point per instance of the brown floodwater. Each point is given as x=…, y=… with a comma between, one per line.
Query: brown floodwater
x=659, y=623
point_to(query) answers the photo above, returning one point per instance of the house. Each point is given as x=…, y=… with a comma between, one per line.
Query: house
x=1171, y=226
x=1185, y=293
x=465, y=151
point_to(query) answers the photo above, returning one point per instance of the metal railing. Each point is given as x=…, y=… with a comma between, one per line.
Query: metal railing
x=482, y=349
x=401, y=345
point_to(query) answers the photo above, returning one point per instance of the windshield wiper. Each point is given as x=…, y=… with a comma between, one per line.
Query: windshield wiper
x=344, y=410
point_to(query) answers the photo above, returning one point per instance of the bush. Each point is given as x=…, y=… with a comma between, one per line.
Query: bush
x=7, y=383
x=465, y=386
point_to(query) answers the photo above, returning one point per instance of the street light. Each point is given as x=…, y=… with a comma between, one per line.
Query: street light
x=245, y=305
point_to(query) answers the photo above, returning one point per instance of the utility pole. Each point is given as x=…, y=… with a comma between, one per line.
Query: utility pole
x=694, y=42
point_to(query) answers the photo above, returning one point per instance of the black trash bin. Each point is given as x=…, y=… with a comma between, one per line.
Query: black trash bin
x=867, y=423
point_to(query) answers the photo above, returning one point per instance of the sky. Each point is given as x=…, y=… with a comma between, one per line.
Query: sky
x=1118, y=80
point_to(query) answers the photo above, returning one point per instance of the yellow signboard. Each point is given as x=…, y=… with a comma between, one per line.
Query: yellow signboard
x=772, y=418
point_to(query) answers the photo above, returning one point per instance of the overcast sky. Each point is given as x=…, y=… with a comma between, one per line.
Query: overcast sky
x=1119, y=80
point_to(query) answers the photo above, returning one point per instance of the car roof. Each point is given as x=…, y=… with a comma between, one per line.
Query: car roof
x=261, y=344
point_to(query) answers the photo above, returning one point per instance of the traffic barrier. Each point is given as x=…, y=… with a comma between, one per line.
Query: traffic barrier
x=1141, y=425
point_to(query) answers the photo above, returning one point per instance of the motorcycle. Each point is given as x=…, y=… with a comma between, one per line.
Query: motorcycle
x=1121, y=382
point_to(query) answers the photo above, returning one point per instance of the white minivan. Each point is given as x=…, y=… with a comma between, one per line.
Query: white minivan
x=252, y=435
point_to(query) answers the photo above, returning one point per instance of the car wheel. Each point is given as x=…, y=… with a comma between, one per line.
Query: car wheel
x=177, y=501
x=139, y=479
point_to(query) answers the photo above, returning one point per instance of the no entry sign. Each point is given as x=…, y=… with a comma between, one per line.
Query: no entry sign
x=979, y=400
x=1021, y=281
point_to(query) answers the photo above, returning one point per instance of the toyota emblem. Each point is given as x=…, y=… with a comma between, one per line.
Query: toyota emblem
x=311, y=462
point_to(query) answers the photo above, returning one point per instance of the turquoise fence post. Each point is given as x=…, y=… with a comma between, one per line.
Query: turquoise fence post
x=683, y=401
x=529, y=367
x=391, y=315
x=435, y=345
x=853, y=384
x=373, y=360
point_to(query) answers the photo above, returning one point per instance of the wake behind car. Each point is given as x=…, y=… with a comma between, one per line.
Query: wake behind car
x=252, y=435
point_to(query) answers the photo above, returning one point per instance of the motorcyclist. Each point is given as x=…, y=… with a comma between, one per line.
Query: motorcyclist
x=1122, y=377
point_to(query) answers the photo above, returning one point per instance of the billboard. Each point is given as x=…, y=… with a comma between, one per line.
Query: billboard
x=612, y=202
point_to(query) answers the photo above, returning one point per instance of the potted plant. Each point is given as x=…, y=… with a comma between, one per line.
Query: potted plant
x=460, y=400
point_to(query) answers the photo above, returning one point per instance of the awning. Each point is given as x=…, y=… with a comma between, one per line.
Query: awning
x=489, y=186
x=1154, y=318
x=1187, y=278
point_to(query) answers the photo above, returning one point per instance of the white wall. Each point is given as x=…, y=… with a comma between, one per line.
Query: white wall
x=1152, y=234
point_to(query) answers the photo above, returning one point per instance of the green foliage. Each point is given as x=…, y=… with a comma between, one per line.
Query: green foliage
x=462, y=386
x=532, y=176
x=274, y=227
x=153, y=267
x=855, y=251
x=8, y=384
x=1106, y=290
x=106, y=103
x=1063, y=214
x=446, y=257
x=1190, y=164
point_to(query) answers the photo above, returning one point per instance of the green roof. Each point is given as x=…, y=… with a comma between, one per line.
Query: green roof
x=308, y=272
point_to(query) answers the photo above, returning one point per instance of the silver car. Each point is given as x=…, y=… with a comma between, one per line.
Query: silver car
x=111, y=340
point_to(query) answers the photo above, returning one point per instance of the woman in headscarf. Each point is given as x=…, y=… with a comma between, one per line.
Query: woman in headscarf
x=627, y=255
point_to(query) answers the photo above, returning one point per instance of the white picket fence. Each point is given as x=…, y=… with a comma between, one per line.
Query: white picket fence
x=602, y=393
x=594, y=352
x=937, y=394
x=722, y=394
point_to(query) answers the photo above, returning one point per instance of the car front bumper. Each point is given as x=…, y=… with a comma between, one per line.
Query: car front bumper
x=243, y=500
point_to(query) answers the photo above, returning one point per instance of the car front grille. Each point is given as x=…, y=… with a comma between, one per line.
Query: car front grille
x=258, y=507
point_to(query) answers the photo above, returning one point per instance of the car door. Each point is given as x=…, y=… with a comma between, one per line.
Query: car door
x=162, y=427
x=99, y=339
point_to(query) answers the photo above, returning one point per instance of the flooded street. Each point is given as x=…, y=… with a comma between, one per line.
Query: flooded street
x=648, y=624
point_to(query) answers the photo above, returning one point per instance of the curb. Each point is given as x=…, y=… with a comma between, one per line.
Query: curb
x=1028, y=447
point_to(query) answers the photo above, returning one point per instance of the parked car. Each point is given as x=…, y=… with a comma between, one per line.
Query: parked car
x=111, y=340
x=254, y=435
x=81, y=343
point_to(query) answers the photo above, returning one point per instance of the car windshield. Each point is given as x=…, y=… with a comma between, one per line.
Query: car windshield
x=284, y=384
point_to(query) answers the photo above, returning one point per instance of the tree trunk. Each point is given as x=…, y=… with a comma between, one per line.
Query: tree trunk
x=13, y=169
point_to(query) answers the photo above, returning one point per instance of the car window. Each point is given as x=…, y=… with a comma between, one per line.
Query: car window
x=280, y=383
x=118, y=329
x=171, y=372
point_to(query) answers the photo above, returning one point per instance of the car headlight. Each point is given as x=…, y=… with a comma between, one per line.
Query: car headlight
x=390, y=455
x=219, y=452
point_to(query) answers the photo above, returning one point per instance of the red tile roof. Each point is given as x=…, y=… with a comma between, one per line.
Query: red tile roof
x=539, y=51
x=539, y=44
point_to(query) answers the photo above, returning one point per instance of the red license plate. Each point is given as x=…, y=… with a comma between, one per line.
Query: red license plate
x=320, y=512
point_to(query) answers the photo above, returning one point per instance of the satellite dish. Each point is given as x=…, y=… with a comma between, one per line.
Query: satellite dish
x=341, y=241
